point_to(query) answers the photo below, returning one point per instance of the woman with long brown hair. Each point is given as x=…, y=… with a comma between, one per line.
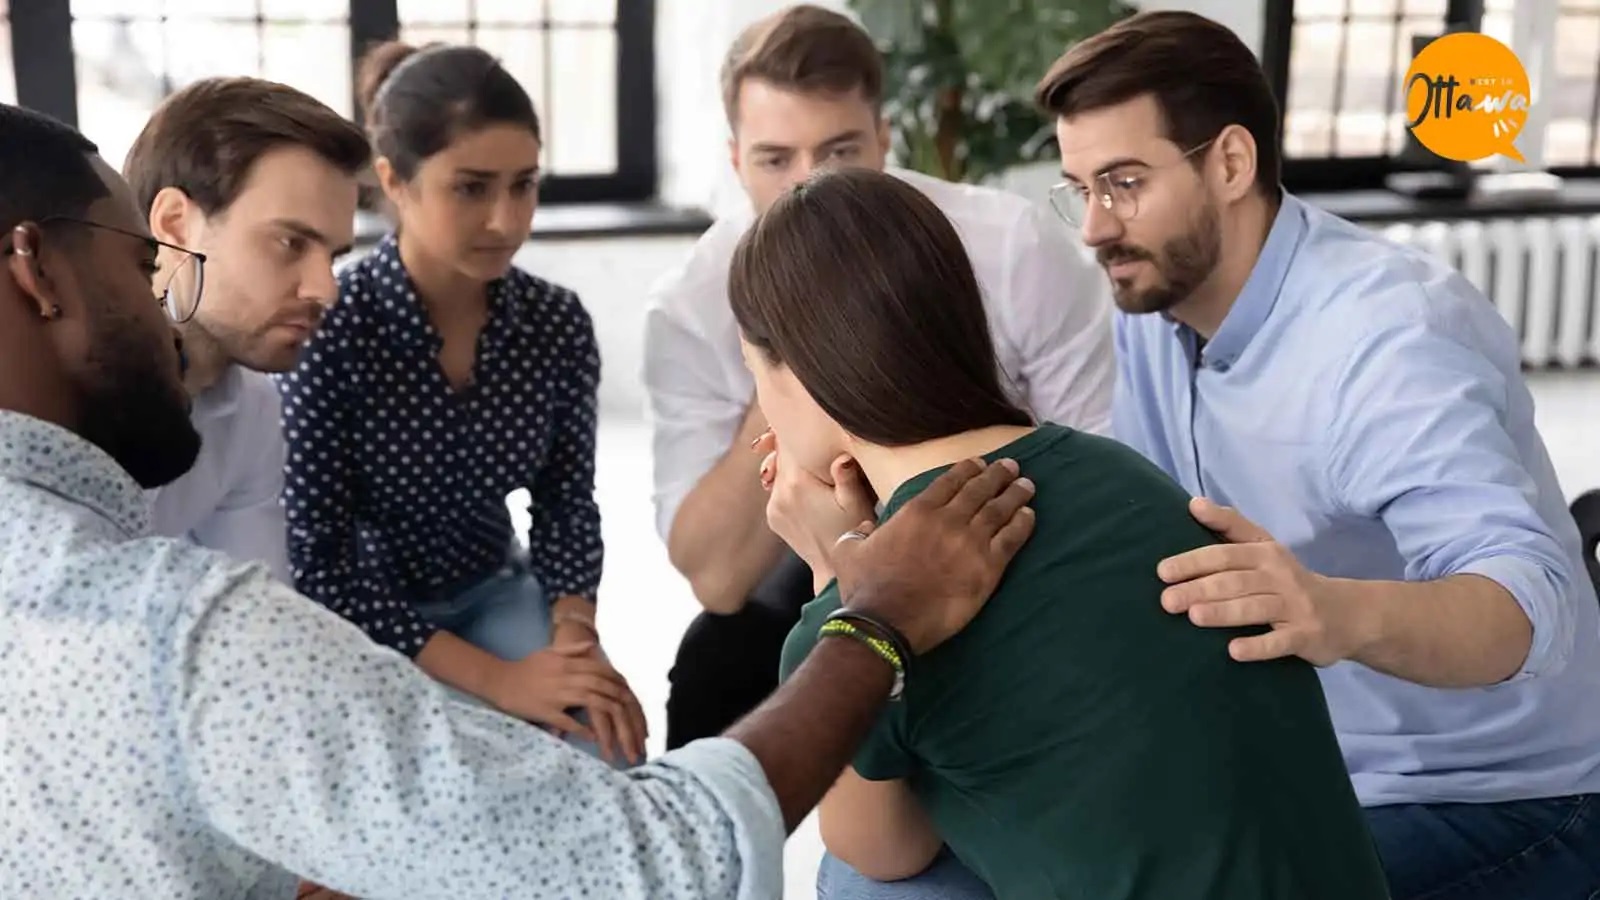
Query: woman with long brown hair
x=1075, y=740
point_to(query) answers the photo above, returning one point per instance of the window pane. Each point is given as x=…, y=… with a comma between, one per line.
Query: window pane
x=1369, y=8
x=1369, y=91
x=521, y=52
x=583, y=117
x=511, y=12
x=434, y=12
x=128, y=60
x=1567, y=141
x=1434, y=8
x=8, y=79
x=420, y=35
x=313, y=58
x=1313, y=71
x=580, y=12
x=306, y=10
x=1305, y=10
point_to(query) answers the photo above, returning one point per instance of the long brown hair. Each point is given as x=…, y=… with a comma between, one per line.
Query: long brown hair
x=861, y=286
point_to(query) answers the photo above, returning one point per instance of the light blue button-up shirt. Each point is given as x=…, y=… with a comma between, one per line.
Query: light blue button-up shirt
x=176, y=724
x=1364, y=403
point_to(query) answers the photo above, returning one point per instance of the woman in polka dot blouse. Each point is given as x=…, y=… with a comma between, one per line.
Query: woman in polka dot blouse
x=444, y=379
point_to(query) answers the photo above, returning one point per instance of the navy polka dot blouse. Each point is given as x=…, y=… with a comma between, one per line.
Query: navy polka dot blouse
x=396, y=483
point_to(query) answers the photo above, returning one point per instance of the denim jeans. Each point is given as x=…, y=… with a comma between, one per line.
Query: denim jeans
x=506, y=614
x=1519, y=850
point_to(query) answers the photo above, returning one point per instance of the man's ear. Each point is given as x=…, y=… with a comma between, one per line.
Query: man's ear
x=25, y=244
x=172, y=216
x=733, y=152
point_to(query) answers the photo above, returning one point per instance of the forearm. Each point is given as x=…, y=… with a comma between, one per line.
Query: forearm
x=877, y=828
x=1460, y=631
x=806, y=733
x=719, y=538
x=459, y=664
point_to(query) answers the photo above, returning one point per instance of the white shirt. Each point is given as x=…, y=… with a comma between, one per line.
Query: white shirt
x=1049, y=310
x=231, y=499
x=177, y=724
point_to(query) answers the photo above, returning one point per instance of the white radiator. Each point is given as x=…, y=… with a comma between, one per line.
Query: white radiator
x=1542, y=273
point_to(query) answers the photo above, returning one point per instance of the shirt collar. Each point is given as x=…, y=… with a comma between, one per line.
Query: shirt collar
x=54, y=459
x=398, y=304
x=1251, y=308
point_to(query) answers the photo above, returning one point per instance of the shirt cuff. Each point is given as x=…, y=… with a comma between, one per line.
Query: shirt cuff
x=1544, y=603
x=732, y=775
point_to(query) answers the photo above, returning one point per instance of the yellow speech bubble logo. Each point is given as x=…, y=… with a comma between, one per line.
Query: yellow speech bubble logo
x=1467, y=97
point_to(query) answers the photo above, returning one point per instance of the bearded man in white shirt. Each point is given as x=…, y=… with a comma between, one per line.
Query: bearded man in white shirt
x=260, y=180
x=803, y=89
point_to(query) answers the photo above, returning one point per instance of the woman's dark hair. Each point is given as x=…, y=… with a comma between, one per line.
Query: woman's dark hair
x=416, y=101
x=861, y=286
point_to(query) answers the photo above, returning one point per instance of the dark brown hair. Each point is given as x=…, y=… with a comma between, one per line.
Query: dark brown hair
x=205, y=138
x=861, y=286
x=807, y=49
x=1202, y=76
x=416, y=101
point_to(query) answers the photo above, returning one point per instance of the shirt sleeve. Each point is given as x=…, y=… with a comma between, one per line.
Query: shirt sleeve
x=342, y=762
x=249, y=523
x=1058, y=312
x=1421, y=440
x=564, y=539
x=320, y=475
x=693, y=417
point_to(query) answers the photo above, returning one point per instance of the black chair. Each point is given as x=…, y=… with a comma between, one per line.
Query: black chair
x=1586, y=509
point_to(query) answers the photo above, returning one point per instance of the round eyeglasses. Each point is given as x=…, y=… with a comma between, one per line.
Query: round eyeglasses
x=1116, y=191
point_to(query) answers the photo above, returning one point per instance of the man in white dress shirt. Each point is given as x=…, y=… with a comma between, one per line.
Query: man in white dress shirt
x=261, y=180
x=802, y=89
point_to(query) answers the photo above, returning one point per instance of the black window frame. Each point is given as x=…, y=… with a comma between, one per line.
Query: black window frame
x=1358, y=173
x=46, y=79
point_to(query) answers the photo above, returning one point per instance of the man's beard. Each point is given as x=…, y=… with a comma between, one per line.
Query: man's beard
x=1183, y=264
x=132, y=411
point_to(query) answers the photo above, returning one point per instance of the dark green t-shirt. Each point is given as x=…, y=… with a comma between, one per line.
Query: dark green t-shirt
x=1076, y=740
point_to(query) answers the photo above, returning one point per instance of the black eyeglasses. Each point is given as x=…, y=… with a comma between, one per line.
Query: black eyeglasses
x=181, y=288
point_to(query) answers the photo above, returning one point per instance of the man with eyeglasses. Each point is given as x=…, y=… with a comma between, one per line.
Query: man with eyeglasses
x=175, y=723
x=1355, y=415
x=250, y=185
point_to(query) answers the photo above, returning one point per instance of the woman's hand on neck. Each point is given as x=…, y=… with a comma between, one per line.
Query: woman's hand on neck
x=887, y=468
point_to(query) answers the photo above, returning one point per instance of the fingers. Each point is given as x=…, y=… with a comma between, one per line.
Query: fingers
x=1009, y=539
x=1226, y=521
x=639, y=726
x=581, y=648
x=1275, y=644
x=584, y=690
x=997, y=512
x=769, y=470
x=605, y=733
x=1255, y=609
x=980, y=489
x=850, y=488
x=565, y=724
x=946, y=486
x=1210, y=560
x=1210, y=589
x=629, y=732
x=765, y=443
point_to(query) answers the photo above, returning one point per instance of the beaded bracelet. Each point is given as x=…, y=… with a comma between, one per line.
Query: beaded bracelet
x=887, y=645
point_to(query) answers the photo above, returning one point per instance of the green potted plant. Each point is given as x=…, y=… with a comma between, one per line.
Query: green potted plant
x=960, y=76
